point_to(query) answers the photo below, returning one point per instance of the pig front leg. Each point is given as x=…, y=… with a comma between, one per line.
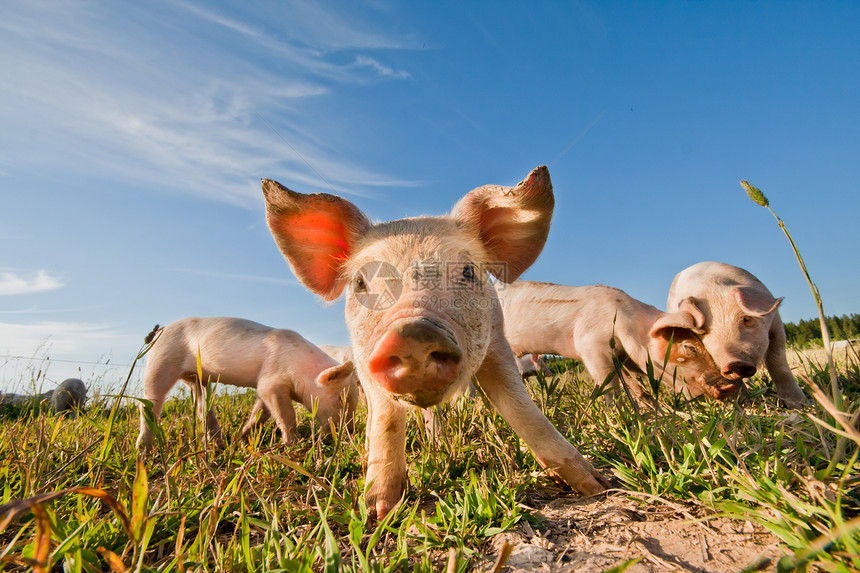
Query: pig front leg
x=385, y=481
x=259, y=414
x=145, y=439
x=499, y=379
x=599, y=364
x=158, y=379
x=433, y=425
x=213, y=429
x=780, y=372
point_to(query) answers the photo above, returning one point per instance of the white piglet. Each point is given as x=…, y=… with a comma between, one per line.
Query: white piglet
x=741, y=323
x=280, y=364
x=423, y=315
x=579, y=322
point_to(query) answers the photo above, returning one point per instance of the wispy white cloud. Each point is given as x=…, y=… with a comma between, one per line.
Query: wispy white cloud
x=140, y=98
x=315, y=27
x=368, y=62
x=12, y=283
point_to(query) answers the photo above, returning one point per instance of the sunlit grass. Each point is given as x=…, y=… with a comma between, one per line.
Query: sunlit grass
x=262, y=506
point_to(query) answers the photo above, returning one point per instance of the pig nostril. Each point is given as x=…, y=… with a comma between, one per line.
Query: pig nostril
x=743, y=370
x=388, y=363
x=415, y=356
x=738, y=370
x=437, y=356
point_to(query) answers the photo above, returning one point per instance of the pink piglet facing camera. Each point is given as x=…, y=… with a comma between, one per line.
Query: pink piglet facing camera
x=423, y=316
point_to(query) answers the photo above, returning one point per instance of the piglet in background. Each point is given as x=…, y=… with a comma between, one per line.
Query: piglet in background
x=741, y=323
x=69, y=396
x=340, y=353
x=579, y=322
x=280, y=364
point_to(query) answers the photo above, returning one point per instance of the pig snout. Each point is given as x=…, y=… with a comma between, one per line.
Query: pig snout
x=738, y=370
x=728, y=391
x=416, y=357
x=721, y=392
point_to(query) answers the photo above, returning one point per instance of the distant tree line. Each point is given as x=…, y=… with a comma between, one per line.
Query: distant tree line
x=808, y=332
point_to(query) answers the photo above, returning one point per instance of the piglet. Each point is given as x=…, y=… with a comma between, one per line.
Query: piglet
x=422, y=314
x=69, y=396
x=280, y=364
x=741, y=324
x=579, y=322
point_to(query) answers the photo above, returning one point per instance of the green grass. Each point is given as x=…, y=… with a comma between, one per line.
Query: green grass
x=261, y=506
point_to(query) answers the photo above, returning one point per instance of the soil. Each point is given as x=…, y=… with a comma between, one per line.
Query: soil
x=607, y=531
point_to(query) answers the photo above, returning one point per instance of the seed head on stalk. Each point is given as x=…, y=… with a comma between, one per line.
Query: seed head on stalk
x=755, y=194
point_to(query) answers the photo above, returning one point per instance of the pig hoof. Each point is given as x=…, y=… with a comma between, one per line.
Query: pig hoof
x=380, y=510
x=586, y=480
x=593, y=486
x=382, y=500
x=793, y=403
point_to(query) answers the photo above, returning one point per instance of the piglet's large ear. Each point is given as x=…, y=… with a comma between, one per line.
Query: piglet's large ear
x=315, y=233
x=690, y=306
x=755, y=302
x=512, y=222
x=336, y=374
x=666, y=325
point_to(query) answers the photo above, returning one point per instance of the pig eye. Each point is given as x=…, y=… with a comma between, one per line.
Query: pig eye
x=689, y=349
x=469, y=273
x=360, y=285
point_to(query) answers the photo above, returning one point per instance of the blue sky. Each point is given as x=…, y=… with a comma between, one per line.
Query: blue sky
x=133, y=137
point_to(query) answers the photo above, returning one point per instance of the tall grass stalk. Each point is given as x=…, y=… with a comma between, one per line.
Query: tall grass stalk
x=756, y=196
x=834, y=405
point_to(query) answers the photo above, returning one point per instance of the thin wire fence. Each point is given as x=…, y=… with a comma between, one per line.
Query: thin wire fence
x=33, y=375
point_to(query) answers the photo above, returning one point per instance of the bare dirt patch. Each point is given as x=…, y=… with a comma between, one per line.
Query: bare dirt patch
x=597, y=534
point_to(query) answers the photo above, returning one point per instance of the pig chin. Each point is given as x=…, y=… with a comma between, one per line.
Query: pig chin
x=719, y=388
x=430, y=398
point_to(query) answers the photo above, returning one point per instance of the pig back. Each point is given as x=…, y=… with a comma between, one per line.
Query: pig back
x=548, y=318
